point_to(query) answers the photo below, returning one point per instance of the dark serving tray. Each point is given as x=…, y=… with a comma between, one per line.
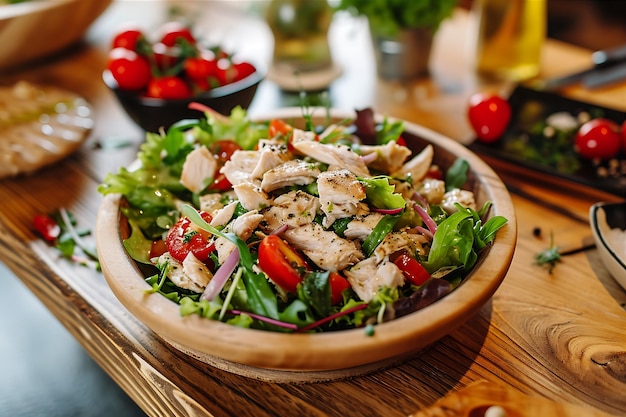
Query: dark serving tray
x=531, y=107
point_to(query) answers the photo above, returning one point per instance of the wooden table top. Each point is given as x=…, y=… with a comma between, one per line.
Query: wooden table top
x=558, y=336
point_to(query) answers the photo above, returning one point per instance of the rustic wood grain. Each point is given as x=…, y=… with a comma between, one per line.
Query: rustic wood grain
x=559, y=336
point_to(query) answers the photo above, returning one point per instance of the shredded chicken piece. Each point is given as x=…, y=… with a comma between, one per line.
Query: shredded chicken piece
x=296, y=208
x=251, y=196
x=200, y=166
x=418, y=166
x=324, y=248
x=339, y=156
x=362, y=226
x=340, y=192
x=464, y=197
x=294, y=172
x=390, y=156
x=367, y=277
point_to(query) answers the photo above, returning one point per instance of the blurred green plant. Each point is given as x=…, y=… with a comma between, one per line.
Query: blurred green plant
x=388, y=17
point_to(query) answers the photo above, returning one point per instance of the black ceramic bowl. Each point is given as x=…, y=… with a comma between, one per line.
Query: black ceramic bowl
x=151, y=114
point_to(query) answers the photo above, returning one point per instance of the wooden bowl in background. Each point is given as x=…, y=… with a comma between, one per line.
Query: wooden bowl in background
x=35, y=29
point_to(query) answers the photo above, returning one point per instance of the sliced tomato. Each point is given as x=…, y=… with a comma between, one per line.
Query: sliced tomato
x=158, y=248
x=282, y=264
x=412, y=270
x=185, y=237
x=338, y=284
x=220, y=183
x=279, y=127
x=224, y=149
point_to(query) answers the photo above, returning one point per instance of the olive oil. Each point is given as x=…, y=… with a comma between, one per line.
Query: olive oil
x=509, y=37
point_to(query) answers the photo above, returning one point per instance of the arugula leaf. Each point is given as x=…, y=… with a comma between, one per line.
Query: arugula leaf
x=315, y=291
x=458, y=239
x=456, y=176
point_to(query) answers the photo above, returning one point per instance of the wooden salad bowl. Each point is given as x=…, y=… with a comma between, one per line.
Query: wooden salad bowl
x=286, y=357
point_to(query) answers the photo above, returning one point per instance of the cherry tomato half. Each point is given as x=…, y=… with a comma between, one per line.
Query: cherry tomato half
x=489, y=115
x=598, y=138
x=185, y=237
x=130, y=70
x=224, y=149
x=199, y=68
x=282, y=264
x=412, y=270
x=338, y=284
x=169, y=87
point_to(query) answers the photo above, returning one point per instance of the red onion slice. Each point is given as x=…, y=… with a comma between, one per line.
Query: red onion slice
x=221, y=276
x=388, y=211
x=428, y=221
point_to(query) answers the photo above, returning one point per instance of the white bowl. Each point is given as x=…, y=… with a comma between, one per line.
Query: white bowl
x=608, y=224
x=35, y=29
x=301, y=357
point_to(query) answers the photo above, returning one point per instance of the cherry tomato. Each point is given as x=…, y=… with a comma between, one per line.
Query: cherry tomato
x=282, y=264
x=338, y=284
x=173, y=32
x=279, y=127
x=185, y=237
x=165, y=57
x=598, y=138
x=199, y=68
x=624, y=136
x=130, y=70
x=242, y=70
x=158, y=248
x=220, y=183
x=412, y=270
x=46, y=227
x=128, y=39
x=401, y=141
x=224, y=71
x=489, y=115
x=169, y=87
x=224, y=149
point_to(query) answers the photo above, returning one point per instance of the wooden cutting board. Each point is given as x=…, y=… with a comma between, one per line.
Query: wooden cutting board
x=487, y=399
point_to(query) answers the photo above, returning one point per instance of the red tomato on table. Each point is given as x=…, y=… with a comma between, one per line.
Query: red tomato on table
x=489, y=115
